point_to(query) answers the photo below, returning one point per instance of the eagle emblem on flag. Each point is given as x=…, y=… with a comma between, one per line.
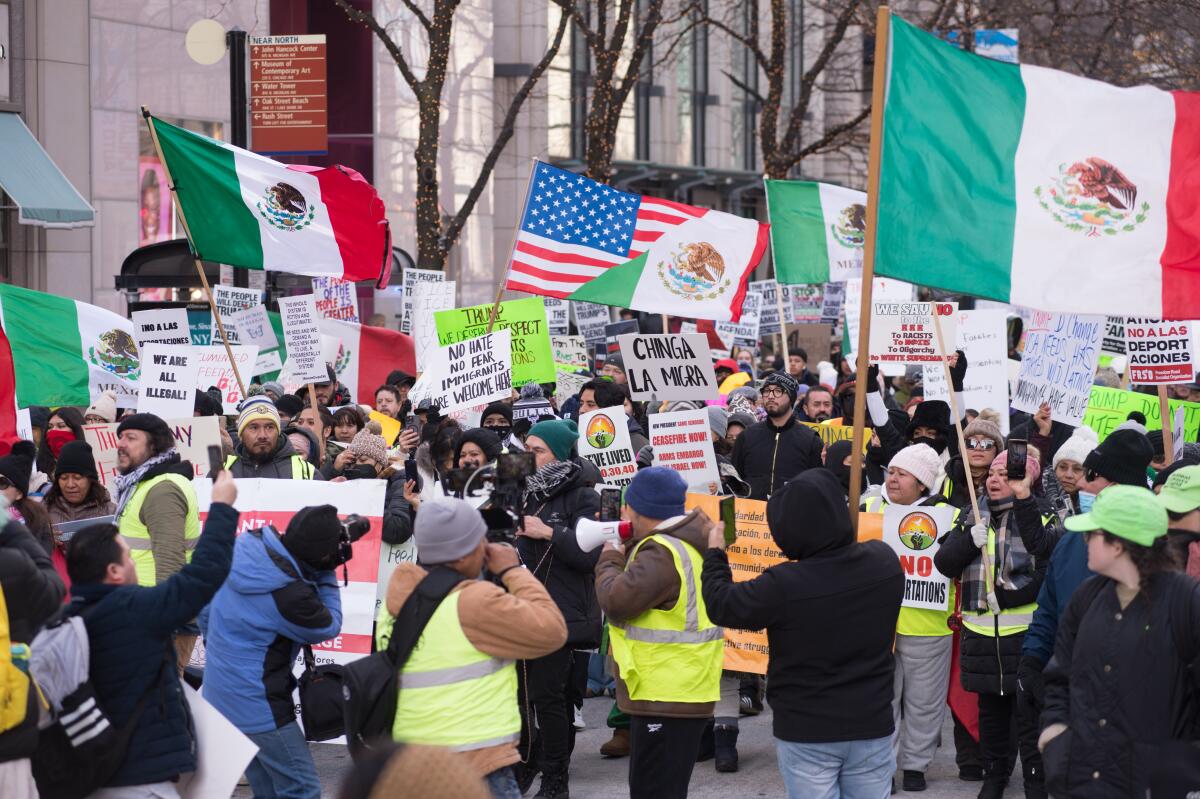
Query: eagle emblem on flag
x=1095, y=196
x=116, y=352
x=284, y=207
x=694, y=270
x=850, y=230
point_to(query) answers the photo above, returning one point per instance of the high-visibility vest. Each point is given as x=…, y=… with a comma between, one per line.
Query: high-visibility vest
x=301, y=468
x=451, y=694
x=671, y=655
x=136, y=534
x=1009, y=621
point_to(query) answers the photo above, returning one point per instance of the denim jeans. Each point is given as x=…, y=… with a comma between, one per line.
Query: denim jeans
x=283, y=767
x=840, y=770
x=502, y=784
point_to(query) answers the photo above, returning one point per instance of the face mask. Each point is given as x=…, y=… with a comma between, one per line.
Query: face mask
x=938, y=444
x=363, y=471
x=502, y=432
x=57, y=439
x=1086, y=501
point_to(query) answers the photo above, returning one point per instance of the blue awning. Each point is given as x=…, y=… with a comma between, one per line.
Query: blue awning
x=41, y=191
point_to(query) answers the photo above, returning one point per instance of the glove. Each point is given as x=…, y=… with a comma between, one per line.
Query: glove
x=1030, y=680
x=979, y=533
x=992, y=602
x=873, y=377
x=958, y=371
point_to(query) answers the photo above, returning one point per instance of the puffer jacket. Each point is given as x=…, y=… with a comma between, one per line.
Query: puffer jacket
x=253, y=630
x=567, y=571
x=767, y=456
x=279, y=467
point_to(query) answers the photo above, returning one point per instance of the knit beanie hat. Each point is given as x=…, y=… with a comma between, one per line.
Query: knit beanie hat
x=481, y=437
x=1155, y=437
x=446, y=529
x=17, y=465
x=982, y=427
x=531, y=391
x=560, y=435
x=256, y=408
x=784, y=381
x=76, y=458
x=657, y=493
x=749, y=392
x=921, y=461
x=718, y=420
x=370, y=444
x=39, y=416
x=740, y=417
x=931, y=413
x=105, y=406
x=312, y=535
x=1122, y=457
x=289, y=404
x=1077, y=447
x=502, y=408
x=274, y=387
x=1032, y=467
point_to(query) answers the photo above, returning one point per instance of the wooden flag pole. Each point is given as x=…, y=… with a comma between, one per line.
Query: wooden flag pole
x=212, y=305
x=666, y=324
x=316, y=409
x=783, y=334
x=882, y=22
x=1164, y=412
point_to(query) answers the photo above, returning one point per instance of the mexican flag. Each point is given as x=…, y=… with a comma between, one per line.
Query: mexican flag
x=367, y=355
x=246, y=210
x=817, y=231
x=1035, y=187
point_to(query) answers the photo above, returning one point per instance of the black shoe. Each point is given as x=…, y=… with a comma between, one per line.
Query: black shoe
x=554, y=786
x=707, y=747
x=970, y=773
x=725, y=742
x=993, y=788
x=525, y=774
x=913, y=780
x=748, y=707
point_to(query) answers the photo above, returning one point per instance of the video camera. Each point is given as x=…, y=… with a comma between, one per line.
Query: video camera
x=354, y=527
x=503, y=510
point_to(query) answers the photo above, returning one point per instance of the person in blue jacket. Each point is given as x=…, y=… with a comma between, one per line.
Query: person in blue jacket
x=281, y=593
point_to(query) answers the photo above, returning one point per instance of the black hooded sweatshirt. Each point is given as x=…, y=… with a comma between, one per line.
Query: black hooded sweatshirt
x=829, y=611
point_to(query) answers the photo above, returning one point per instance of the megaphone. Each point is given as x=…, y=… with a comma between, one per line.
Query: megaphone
x=590, y=534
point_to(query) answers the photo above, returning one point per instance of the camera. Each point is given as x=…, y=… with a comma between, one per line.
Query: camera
x=353, y=528
x=502, y=512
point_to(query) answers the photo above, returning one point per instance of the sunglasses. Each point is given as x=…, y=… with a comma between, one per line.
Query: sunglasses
x=985, y=444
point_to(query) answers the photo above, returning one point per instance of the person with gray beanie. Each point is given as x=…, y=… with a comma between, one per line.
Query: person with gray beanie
x=495, y=621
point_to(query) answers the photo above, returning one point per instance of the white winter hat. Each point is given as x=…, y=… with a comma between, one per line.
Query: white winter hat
x=1081, y=442
x=105, y=406
x=921, y=461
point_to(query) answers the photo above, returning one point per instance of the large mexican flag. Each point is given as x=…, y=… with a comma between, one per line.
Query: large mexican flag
x=246, y=210
x=1037, y=187
x=817, y=231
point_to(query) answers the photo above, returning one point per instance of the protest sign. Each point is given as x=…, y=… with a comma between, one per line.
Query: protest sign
x=570, y=353
x=167, y=387
x=161, y=326
x=590, y=320
x=532, y=409
x=885, y=290
x=427, y=299
x=668, y=367
x=615, y=329
x=216, y=370
x=904, y=332
x=302, y=338
x=599, y=354
x=983, y=337
x=222, y=751
x=193, y=437
x=1109, y=407
x=832, y=300
x=807, y=302
x=682, y=440
x=1114, y=335
x=745, y=330
x=558, y=316
x=229, y=300
x=1159, y=352
x=472, y=372
x=1058, y=364
x=768, y=305
x=604, y=440
x=567, y=385
x=688, y=327
x=335, y=298
x=266, y=363
x=389, y=427
x=832, y=433
x=412, y=279
x=532, y=358
x=252, y=326
x=913, y=531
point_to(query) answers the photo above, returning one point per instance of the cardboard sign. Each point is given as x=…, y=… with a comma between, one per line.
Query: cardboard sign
x=302, y=338
x=193, y=436
x=983, y=337
x=604, y=440
x=807, y=302
x=1058, y=364
x=682, y=440
x=167, y=387
x=668, y=367
x=216, y=370
x=1159, y=352
x=266, y=363
x=913, y=532
x=815, y=339
x=568, y=384
x=570, y=353
x=1109, y=407
x=558, y=316
x=532, y=359
x=1114, y=335
x=903, y=332
x=412, y=279
x=590, y=320
x=428, y=298
x=335, y=298
x=252, y=326
x=161, y=326
x=473, y=372
x=745, y=330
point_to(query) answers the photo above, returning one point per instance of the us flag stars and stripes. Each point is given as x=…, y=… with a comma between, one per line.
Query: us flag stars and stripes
x=574, y=229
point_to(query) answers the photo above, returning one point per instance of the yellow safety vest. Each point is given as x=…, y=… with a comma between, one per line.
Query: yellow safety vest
x=301, y=468
x=918, y=621
x=671, y=655
x=451, y=694
x=137, y=536
x=1009, y=621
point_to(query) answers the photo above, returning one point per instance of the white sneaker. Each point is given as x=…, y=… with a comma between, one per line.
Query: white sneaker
x=579, y=725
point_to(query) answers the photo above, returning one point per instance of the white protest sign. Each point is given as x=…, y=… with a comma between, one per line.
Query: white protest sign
x=568, y=384
x=472, y=372
x=24, y=424
x=302, y=339
x=604, y=440
x=590, y=320
x=682, y=440
x=558, y=316
x=668, y=367
x=167, y=387
x=1178, y=434
x=1058, y=364
x=1159, y=352
x=216, y=370
x=903, y=332
x=267, y=362
x=335, y=298
x=885, y=290
x=768, y=306
x=983, y=337
x=1114, y=335
x=193, y=437
x=807, y=302
x=229, y=300
x=745, y=330
x=161, y=326
x=252, y=326
x=833, y=297
x=569, y=351
x=913, y=531
x=427, y=299
x=412, y=279
x=222, y=752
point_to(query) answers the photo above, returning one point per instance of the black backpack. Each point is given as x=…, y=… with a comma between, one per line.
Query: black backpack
x=370, y=684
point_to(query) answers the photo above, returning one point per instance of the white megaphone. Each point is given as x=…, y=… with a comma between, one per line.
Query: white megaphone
x=590, y=534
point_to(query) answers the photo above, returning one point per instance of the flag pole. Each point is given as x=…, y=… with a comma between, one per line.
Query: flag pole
x=882, y=29
x=1164, y=412
x=783, y=334
x=199, y=266
x=512, y=248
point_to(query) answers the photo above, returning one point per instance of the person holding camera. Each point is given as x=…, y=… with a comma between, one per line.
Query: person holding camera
x=556, y=498
x=281, y=593
x=458, y=688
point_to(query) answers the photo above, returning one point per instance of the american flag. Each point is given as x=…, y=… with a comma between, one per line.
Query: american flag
x=575, y=228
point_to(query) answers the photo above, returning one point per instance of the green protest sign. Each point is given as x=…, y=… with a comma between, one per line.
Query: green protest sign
x=1108, y=407
x=532, y=359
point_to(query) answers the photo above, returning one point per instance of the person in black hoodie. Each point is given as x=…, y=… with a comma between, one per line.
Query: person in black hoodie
x=770, y=453
x=832, y=701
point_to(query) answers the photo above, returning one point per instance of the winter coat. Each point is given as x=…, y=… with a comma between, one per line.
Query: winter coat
x=567, y=571
x=891, y=441
x=1124, y=681
x=650, y=581
x=164, y=513
x=1047, y=445
x=130, y=633
x=637, y=436
x=254, y=628
x=767, y=456
x=397, y=512
x=1067, y=570
x=32, y=593
x=279, y=467
x=62, y=512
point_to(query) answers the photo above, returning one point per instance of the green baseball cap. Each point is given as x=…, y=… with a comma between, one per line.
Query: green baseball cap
x=1128, y=512
x=1181, y=492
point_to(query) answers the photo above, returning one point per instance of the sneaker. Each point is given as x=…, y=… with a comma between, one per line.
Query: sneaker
x=913, y=781
x=554, y=786
x=578, y=722
x=618, y=745
x=746, y=706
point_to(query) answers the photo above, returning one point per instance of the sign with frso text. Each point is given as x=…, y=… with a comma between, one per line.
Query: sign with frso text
x=604, y=440
x=668, y=367
x=913, y=532
x=904, y=332
x=682, y=440
x=1159, y=352
x=193, y=436
x=1058, y=364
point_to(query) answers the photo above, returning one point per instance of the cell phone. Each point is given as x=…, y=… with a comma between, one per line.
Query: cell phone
x=216, y=459
x=1018, y=450
x=414, y=423
x=410, y=470
x=729, y=520
x=610, y=504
